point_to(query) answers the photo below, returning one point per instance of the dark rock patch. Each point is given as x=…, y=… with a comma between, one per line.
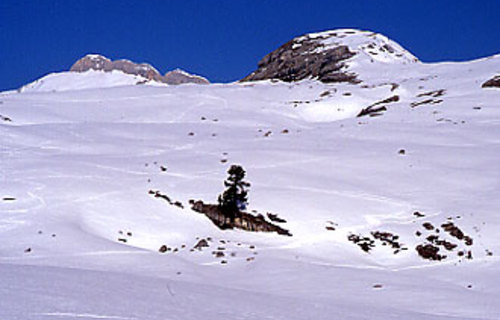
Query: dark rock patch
x=455, y=231
x=303, y=58
x=274, y=218
x=439, y=242
x=375, y=109
x=435, y=93
x=427, y=101
x=4, y=118
x=218, y=254
x=492, y=83
x=418, y=214
x=201, y=244
x=158, y=194
x=372, y=112
x=243, y=220
x=390, y=239
x=428, y=226
x=430, y=252
x=365, y=243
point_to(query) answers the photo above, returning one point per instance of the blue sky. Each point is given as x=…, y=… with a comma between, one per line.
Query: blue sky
x=224, y=40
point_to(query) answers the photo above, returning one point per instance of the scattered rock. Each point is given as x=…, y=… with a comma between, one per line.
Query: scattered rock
x=373, y=110
x=435, y=93
x=427, y=101
x=201, y=244
x=428, y=226
x=28, y=250
x=365, y=243
x=402, y=151
x=274, y=218
x=122, y=240
x=388, y=238
x=4, y=118
x=158, y=194
x=418, y=214
x=430, y=252
x=219, y=254
x=163, y=249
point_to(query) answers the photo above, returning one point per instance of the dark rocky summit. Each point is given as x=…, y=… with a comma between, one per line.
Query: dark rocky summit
x=492, y=83
x=330, y=57
x=101, y=63
x=302, y=58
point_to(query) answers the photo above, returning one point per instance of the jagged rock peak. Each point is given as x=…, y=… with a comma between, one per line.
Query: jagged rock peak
x=325, y=56
x=101, y=63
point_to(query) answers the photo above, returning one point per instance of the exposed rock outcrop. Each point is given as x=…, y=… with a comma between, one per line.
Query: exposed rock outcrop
x=326, y=56
x=492, y=83
x=179, y=76
x=298, y=60
x=244, y=221
x=100, y=63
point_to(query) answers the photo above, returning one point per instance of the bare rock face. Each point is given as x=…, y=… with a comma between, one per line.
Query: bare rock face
x=330, y=56
x=243, y=221
x=298, y=59
x=492, y=83
x=100, y=63
x=179, y=76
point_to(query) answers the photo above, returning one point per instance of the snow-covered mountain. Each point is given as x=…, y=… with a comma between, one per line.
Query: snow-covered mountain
x=383, y=168
x=97, y=71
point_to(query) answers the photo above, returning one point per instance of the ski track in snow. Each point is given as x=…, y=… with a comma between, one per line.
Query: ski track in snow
x=81, y=315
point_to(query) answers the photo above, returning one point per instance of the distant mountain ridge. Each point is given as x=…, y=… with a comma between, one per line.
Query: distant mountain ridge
x=98, y=62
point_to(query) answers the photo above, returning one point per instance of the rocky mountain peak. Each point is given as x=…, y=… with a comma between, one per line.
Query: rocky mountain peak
x=325, y=56
x=98, y=62
x=179, y=76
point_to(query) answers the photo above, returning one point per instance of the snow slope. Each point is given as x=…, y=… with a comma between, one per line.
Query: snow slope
x=80, y=232
x=91, y=79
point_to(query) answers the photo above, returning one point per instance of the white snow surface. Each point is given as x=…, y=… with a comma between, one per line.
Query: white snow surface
x=91, y=79
x=76, y=167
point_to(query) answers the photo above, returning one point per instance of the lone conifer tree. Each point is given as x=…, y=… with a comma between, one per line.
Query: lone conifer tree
x=234, y=197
